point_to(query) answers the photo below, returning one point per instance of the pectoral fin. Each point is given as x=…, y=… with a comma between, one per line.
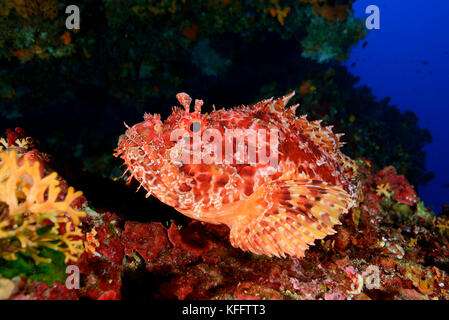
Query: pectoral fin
x=287, y=216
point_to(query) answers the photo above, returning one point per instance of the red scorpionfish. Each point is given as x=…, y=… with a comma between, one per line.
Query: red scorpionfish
x=276, y=202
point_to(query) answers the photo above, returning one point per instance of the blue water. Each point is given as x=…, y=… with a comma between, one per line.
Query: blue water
x=408, y=60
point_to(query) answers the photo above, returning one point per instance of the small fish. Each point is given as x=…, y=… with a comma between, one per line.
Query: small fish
x=365, y=44
x=446, y=185
x=274, y=208
x=353, y=64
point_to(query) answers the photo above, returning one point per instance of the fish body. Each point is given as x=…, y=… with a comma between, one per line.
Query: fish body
x=277, y=180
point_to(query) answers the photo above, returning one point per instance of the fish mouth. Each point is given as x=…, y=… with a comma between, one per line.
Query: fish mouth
x=126, y=142
x=130, y=147
x=121, y=140
x=140, y=157
x=137, y=147
x=120, y=150
x=133, y=137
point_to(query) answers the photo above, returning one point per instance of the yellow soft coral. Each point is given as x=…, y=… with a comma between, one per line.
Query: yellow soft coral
x=32, y=214
x=383, y=189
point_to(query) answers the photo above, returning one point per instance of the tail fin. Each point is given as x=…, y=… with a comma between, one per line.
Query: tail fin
x=287, y=216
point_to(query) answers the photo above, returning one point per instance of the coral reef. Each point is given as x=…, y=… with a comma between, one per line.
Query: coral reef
x=22, y=22
x=134, y=56
x=152, y=47
x=385, y=249
x=323, y=43
x=389, y=247
x=36, y=208
x=101, y=266
x=207, y=47
x=44, y=228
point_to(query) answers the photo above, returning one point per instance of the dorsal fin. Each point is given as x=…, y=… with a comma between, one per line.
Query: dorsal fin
x=329, y=141
x=322, y=136
x=277, y=106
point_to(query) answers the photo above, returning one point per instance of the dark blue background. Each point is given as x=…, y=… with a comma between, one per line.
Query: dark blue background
x=408, y=60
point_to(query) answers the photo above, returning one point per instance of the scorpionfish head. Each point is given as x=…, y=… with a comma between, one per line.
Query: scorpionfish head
x=152, y=149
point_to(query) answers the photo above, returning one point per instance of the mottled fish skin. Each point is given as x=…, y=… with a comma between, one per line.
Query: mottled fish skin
x=272, y=210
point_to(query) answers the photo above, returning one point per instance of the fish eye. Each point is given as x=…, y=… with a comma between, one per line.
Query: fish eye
x=195, y=126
